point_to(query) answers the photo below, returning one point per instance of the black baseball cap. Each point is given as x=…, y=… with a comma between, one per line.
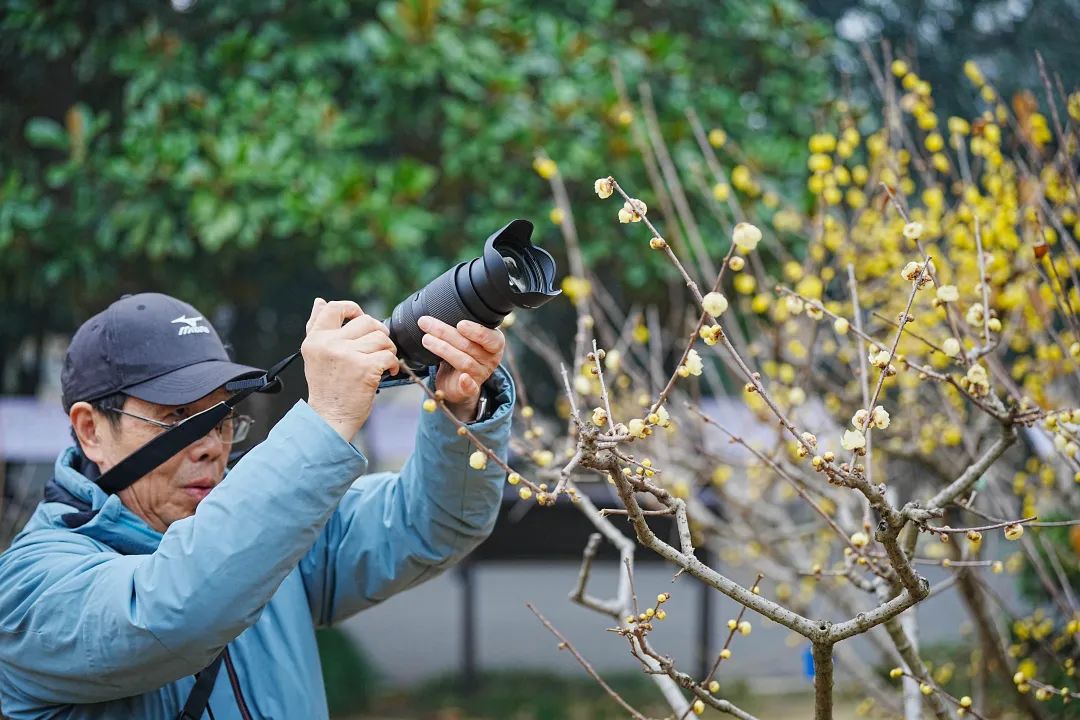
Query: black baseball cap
x=150, y=346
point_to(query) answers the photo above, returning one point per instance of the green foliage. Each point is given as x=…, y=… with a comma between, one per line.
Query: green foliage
x=214, y=153
x=954, y=667
x=351, y=680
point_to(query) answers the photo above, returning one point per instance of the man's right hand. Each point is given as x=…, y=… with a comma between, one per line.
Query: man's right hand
x=345, y=354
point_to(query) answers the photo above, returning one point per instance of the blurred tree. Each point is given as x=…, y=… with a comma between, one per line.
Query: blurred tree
x=247, y=155
x=937, y=36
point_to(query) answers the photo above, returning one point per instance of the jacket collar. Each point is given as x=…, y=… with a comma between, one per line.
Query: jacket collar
x=93, y=513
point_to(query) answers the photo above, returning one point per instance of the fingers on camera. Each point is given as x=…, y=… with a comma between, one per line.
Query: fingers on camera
x=491, y=340
x=331, y=315
x=316, y=308
x=474, y=342
x=451, y=336
x=362, y=325
x=459, y=359
x=373, y=342
x=388, y=361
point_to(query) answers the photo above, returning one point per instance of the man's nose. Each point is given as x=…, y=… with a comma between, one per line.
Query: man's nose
x=208, y=447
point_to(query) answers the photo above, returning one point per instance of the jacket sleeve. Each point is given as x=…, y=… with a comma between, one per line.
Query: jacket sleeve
x=395, y=530
x=79, y=625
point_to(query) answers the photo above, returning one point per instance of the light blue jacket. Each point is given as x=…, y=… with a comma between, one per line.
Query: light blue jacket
x=110, y=619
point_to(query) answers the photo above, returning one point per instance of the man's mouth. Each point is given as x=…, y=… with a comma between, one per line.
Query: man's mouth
x=199, y=489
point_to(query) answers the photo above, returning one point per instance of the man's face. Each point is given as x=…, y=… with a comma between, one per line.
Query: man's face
x=173, y=490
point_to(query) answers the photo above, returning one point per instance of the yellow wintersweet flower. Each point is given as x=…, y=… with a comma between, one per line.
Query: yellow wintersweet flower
x=948, y=293
x=694, y=363
x=853, y=440
x=604, y=187
x=973, y=73
x=746, y=236
x=632, y=211
x=741, y=178
x=714, y=303
x=545, y=167
x=576, y=288
x=478, y=460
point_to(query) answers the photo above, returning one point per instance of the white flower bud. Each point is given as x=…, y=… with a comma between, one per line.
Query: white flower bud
x=880, y=359
x=478, y=460
x=976, y=374
x=715, y=304
x=974, y=315
x=948, y=293
x=913, y=230
x=951, y=347
x=604, y=187
x=746, y=236
x=710, y=334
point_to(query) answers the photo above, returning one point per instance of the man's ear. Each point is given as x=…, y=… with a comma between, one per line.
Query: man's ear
x=92, y=430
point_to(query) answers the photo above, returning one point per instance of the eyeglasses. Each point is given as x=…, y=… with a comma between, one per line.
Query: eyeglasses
x=233, y=428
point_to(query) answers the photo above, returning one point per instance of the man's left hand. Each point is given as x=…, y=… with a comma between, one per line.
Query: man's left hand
x=470, y=354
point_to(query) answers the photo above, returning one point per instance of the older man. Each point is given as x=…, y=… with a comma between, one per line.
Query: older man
x=195, y=593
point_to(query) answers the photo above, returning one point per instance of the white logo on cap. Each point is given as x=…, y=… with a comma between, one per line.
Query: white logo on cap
x=191, y=325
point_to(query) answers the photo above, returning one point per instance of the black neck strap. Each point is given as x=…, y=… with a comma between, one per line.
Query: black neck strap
x=164, y=446
x=199, y=697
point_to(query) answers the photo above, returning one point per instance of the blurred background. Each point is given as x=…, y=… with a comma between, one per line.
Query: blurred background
x=248, y=156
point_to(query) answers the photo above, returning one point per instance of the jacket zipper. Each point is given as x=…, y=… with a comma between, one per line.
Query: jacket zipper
x=235, y=682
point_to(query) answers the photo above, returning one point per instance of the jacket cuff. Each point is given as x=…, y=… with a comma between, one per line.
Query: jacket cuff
x=327, y=439
x=502, y=395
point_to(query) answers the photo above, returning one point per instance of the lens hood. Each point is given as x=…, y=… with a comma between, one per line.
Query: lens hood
x=511, y=273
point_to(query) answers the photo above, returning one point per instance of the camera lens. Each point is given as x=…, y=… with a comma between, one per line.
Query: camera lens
x=517, y=280
x=511, y=273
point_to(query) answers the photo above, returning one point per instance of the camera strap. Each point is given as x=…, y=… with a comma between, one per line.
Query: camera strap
x=163, y=446
x=199, y=697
